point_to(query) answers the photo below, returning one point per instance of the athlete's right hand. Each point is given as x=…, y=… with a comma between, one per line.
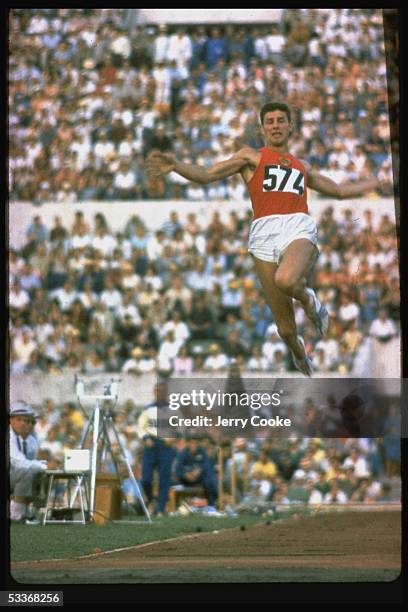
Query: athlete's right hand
x=159, y=163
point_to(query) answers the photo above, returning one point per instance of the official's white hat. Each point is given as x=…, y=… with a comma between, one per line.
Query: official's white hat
x=20, y=408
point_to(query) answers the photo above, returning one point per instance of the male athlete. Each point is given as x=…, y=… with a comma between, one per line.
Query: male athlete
x=283, y=237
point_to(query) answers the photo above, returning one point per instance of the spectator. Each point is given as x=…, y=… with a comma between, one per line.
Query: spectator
x=264, y=468
x=257, y=363
x=125, y=181
x=183, y=363
x=358, y=463
x=18, y=298
x=168, y=351
x=275, y=45
x=177, y=326
x=216, y=360
x=179, y=297
x=201, y=319
x=383, y=328
x=349, y=311
x=216, y=48
x=111, y=296
x=273, y=344
x=157, y=453
x=193, y=467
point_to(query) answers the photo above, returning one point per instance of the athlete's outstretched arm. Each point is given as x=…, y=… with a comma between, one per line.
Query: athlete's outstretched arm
x=159, y=164
x=340, y=191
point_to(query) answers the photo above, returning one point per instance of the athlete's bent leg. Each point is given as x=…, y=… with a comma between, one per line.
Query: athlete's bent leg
x=281, y=306
x=296, y=265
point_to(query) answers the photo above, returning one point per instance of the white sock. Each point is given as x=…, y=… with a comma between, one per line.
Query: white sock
x=17, y=510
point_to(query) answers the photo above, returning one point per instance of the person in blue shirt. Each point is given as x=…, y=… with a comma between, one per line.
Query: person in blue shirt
x=199, y=47
x=217, y=47
x=157, y=453
x=36, y=234
x=193, y=467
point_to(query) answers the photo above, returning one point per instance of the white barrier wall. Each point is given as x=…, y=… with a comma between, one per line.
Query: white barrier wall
x=155, y=212
x=36, y=387
x=216, y=16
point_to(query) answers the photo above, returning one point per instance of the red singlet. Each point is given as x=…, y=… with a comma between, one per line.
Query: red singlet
x=279, y=185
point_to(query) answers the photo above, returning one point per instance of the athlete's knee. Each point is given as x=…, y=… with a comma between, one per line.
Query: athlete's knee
x=285, y=281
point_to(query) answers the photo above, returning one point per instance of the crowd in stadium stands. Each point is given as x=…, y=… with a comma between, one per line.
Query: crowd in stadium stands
x=92, y=92
x=285, y=471
x=185, y=298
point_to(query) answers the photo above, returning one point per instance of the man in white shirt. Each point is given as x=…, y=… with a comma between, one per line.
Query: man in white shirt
x=180, y=50
x=161, y=45
x=216, y=360
x=168, y=351
x=335, y=495
x=23, y=346
x=359, y=464
x=82, y=147
x=104, y=242
x=383, y=328
x=156, y=244
x=348, y=311
x=110, y=296
x=177, y=326
x=104, y=149
x=273, y=344
x=275, y=44
x=315, y=496
x=128, y=307
x=162, y=77
x=125, y=180
x=18, y=298
x=24, y=467
x=121, y=46
x=65, y=295
x=179, y=295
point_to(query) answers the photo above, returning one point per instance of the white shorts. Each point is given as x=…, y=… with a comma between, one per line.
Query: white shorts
x=270, y=236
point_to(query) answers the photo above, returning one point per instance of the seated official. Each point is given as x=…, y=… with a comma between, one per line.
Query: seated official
x=24, y=466
x=193, y=467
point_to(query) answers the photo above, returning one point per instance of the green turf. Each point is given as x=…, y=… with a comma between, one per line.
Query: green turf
x=29, y=543
x=129, y=576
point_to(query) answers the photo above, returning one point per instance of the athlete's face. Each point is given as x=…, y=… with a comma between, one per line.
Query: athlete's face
x=276, y=128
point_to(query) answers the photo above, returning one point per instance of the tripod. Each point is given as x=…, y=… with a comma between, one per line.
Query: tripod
x=102, y=424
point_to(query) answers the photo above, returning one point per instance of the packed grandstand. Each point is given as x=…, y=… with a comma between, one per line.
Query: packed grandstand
x=92, y=92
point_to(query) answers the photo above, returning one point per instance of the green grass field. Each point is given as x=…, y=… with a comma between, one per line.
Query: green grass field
x=69, y=541
x=148, y=576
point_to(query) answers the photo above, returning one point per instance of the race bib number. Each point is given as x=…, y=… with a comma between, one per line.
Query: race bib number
x=279, y=178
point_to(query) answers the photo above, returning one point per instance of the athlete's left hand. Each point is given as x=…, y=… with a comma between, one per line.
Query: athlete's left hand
x=159, y=163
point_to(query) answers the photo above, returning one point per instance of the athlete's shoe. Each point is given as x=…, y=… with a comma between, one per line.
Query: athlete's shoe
x=320, y=316
x=303, y=365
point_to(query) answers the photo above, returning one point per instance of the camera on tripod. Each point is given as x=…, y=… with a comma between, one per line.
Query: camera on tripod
x=101, y=422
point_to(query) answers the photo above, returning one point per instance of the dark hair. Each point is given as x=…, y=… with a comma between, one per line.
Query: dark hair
x=269, y=107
